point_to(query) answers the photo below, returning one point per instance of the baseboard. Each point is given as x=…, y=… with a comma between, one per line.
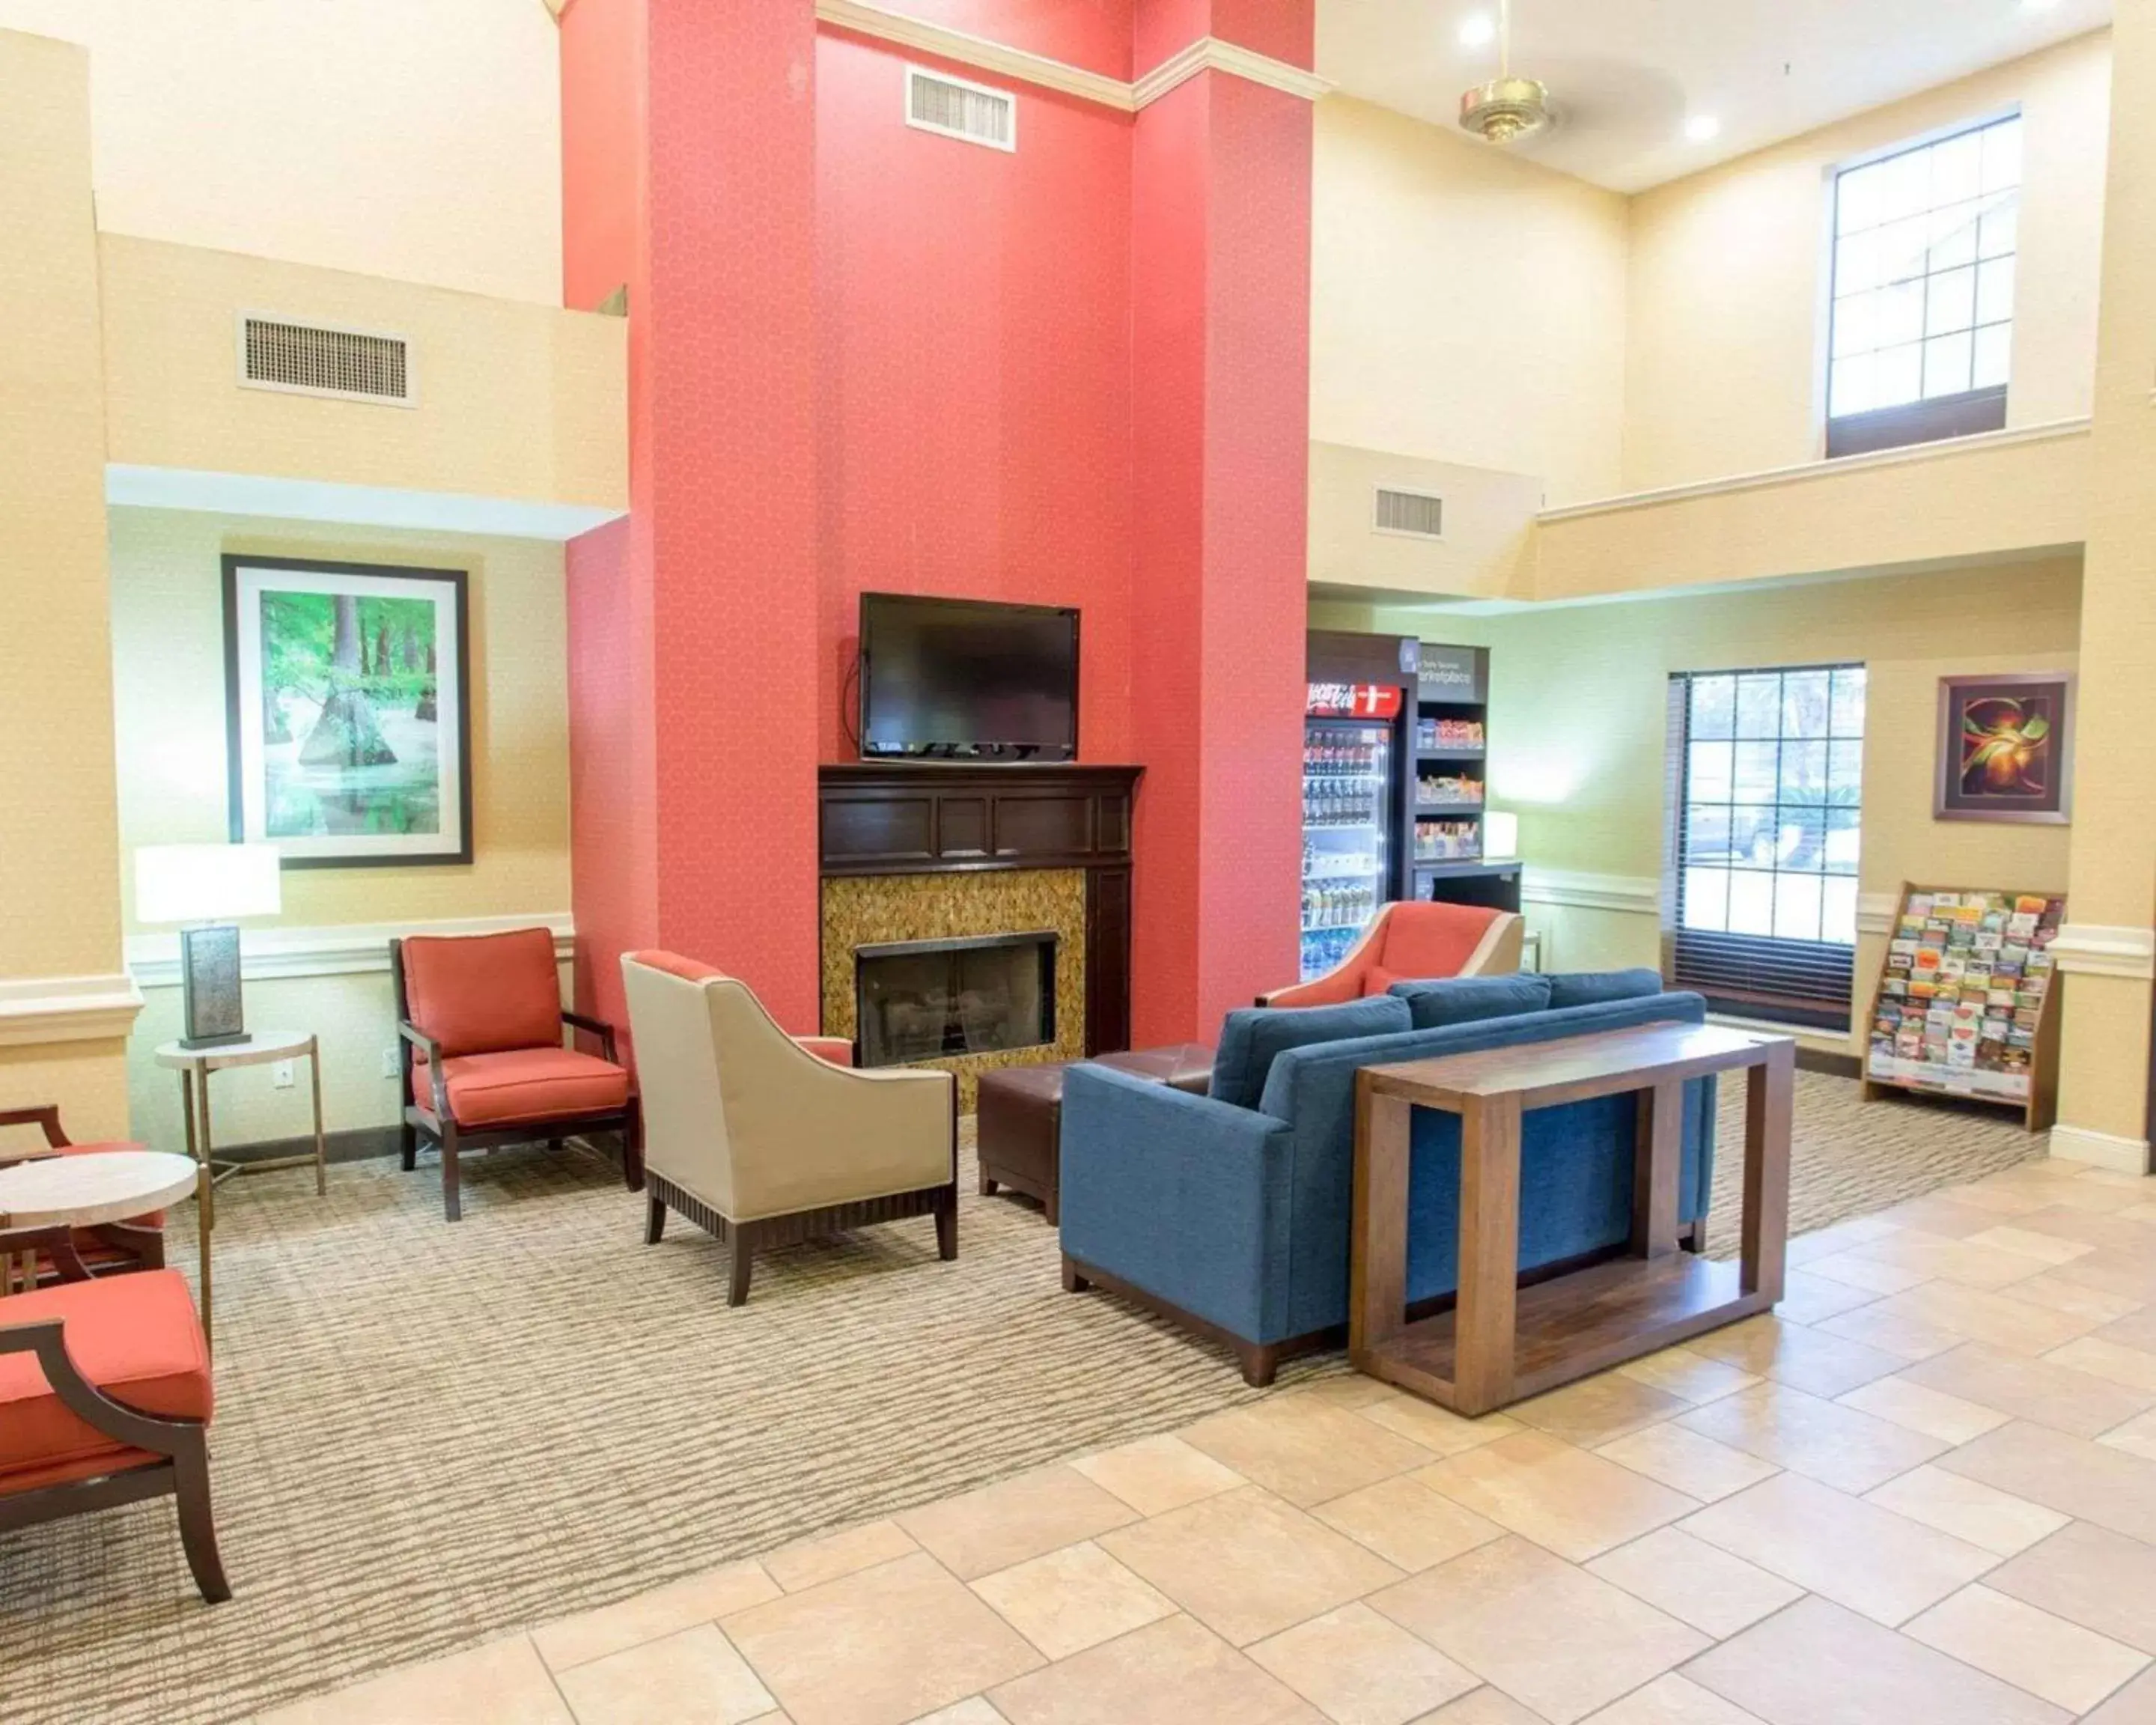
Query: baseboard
x=1819, y=1059
x=358, y=1143
x=2081, y=1143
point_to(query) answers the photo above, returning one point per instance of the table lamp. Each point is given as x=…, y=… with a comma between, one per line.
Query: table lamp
x=204, y=885
x=1500, y=836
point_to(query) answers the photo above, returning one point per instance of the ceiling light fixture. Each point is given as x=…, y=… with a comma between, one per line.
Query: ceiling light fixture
x=1702, y=127
x=1479, y=31
x=1506, y=107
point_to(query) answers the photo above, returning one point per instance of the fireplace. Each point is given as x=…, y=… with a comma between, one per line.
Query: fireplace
x=931, y=999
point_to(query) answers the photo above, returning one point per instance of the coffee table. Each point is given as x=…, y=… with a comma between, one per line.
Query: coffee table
x=104, y=1186
x=1502, y=1342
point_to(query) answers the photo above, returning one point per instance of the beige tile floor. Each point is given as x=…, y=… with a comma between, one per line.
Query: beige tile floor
x=1932, y=1501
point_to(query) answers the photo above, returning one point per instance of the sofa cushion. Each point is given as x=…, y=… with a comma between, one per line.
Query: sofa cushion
x=1250, y=1038
x=481, y=993
x=1591, y=987
x=135, y=1337
x=1460, y=1000
x=488, y=1090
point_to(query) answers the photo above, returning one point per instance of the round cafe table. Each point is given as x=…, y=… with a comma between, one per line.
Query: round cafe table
x=104, y=1186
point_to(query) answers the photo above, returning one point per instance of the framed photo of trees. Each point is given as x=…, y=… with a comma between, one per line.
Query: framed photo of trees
x=348, y=716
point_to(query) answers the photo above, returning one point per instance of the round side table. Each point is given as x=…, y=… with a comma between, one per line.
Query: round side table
x=106, y=1186
x=262, y=1048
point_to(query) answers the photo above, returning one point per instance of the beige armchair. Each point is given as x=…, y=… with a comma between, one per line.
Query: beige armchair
x=764, y=1139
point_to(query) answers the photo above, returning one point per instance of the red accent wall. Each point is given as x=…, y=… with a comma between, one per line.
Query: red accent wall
x=864, y=356
x=974, y=372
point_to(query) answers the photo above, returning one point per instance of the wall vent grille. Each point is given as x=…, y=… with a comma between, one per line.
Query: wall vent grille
x=1413, y=515
x=937, y=102
x=313, y=359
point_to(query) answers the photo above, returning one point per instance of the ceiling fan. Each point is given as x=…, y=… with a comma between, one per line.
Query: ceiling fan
x=1506, y=108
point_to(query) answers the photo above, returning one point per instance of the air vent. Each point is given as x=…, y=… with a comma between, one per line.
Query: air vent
x=1413, y=515
x=937, y=102
x=314, y=359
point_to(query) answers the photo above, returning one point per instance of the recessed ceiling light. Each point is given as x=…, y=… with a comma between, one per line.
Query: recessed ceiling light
x=1702, y=126
x=1479, y=30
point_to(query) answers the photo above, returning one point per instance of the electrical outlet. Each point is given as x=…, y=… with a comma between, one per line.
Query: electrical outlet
x=389, y=1062
x=281, y=1075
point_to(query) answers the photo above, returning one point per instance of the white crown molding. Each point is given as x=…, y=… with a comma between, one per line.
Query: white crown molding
x=1945, y=448
x=1636, y=895
x=1875, y=912
x=341, y=949
x=1207, y=54
x=2094, y=949
x=2081, y=1143
x=66, y=1008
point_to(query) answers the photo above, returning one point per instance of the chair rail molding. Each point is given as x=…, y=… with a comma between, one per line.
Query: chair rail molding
x=1635, y=894
x=2081, y=1143
x=67, y=1008
x=2098, y=949
x=339, y=949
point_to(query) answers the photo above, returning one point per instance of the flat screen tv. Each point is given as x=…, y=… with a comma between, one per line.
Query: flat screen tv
x=963, y=679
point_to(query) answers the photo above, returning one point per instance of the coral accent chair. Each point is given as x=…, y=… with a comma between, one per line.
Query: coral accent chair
x=112, y=1247
x=759, y=1137
x=105, y=1399
x=480, y=1017
x=1414, y=940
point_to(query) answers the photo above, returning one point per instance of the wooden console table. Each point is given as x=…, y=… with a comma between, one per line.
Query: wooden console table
x=1501, y=1342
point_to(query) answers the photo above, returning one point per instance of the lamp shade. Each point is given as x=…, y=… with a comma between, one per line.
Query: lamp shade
x=207, y=883
x=1500, y=835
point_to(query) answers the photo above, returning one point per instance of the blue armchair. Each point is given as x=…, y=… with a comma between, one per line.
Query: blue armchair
x=1235, y=1222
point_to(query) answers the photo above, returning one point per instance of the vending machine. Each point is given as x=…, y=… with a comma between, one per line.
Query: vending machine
x=1356, y=768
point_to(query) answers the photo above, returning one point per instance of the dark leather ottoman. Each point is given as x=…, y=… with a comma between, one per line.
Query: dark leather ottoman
x=1018, y=1113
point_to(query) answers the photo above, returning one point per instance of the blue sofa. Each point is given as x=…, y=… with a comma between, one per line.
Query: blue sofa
x=1235, y=1220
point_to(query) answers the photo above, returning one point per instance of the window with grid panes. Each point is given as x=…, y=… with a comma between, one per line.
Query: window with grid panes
x=1767, y=771
x=1921, y=331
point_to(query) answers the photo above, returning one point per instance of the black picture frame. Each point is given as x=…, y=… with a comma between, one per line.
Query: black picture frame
x=353, y=850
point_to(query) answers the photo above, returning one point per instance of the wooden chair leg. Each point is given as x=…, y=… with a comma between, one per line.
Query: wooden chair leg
x=632, y=1148
x=744, y=1260
x=453, y=1207
x=1073, y=1282
x=654, y=1218
x=410, y=1149
x=946, y=1225
x=197, y=1527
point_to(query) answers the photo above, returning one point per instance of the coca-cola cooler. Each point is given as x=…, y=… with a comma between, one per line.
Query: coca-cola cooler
x=1358, y=779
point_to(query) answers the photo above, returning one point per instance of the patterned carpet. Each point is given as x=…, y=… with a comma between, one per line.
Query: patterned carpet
x=427, y=1436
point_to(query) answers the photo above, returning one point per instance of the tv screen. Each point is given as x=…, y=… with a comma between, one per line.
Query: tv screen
x=959, y=679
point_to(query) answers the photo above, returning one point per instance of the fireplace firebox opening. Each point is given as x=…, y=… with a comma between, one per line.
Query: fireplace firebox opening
x=923, y=1000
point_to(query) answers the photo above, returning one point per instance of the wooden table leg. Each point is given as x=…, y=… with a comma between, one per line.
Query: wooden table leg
x=1769, y=1102
x=1657, y=1155
x=1489, y=1253
x=1378, y=1272
x=321, y=1145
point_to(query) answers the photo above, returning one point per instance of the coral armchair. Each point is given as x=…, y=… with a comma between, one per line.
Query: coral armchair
x=1415, y=940
x=110, y=1247
x=480, y=1020
x=757, y=1138
x=105, y=1400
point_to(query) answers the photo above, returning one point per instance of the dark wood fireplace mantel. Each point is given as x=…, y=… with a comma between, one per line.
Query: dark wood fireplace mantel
x=950, y=817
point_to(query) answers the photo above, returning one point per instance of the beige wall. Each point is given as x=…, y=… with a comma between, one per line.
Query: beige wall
x=60, y=900
x=167, y=654
x=1578, y=726
x=1728, y=268
x=419, y=139
x=515, y=400
x=1466, y=306
x=1489, y=524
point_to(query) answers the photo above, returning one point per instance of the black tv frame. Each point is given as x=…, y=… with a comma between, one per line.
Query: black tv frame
x=955, y=751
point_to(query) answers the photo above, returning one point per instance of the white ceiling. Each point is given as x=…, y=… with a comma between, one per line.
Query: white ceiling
x=1624, y=75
